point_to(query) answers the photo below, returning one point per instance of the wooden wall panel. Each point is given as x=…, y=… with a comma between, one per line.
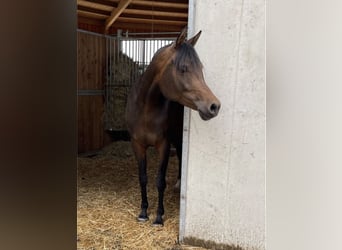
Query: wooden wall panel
x=90, y=126
x=91, y=64
x=91, y=61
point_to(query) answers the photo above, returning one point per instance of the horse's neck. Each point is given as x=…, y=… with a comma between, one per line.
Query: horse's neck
x=147, y=89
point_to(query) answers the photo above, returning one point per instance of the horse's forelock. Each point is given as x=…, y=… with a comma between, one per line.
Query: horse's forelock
x=186, y=54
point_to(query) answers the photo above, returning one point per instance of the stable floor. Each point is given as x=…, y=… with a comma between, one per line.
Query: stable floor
x=109, y=202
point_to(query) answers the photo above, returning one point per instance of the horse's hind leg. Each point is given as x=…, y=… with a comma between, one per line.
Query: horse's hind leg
x=140, y=153
x=164, y=153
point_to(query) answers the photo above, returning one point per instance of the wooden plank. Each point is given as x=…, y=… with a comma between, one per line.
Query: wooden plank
x=145, y=3
x=116, y=13
x=151, y=21
x=148, y=13
x=90, y=24
x=95, y=6
x=95, y=25
x=144, y=27
x=91, y=62
x=155, y=13
x=90, y=125
x=95, y=15
x=86, y=21
x=161, y=4
x=91, y=14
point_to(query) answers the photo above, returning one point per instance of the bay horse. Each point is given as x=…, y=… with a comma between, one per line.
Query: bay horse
x=154, y=111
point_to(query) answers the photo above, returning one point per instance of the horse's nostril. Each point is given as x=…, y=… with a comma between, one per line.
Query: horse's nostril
x=213, y=108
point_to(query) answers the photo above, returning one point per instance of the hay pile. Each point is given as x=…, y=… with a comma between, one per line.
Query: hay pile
x=123, y=72
x=109, y=202
x=114, y=113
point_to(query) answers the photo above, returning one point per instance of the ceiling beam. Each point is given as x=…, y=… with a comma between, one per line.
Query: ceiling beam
x=91, y=14
x=161, y=4
x=155, y=13
x=143, y=27
x=93, y=5
x=116, y=13
x=97, y=6
x=154, y=21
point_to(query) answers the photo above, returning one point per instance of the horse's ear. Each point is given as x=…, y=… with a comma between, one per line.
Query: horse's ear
x=194, y=39
x=181, y=38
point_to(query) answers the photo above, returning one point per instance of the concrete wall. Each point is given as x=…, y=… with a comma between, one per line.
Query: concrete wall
x=223, y=183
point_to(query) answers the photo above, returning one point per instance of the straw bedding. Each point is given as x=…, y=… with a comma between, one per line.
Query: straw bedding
x=109, y=202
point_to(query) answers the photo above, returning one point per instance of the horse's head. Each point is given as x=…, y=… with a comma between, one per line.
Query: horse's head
x=181, y=77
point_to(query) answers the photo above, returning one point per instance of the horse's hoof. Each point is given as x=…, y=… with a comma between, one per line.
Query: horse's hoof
x=158, y=222
x=142, y=218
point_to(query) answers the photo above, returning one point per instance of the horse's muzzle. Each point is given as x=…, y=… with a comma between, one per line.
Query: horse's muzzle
x=209, y=111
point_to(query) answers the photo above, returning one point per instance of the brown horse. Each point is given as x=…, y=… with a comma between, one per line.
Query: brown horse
x=154, y=111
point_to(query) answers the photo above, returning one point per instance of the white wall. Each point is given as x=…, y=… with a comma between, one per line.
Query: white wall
x=223, y=185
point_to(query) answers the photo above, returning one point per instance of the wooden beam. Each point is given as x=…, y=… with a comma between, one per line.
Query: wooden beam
x=93, y=5
x=116, y=13
x=148, y=3
x=91, y=14
x=157, y=21
x=143, y=27
x=102, y=7
x=81, y=20
x=97, y=25
x=155, y=13
x=161, y=4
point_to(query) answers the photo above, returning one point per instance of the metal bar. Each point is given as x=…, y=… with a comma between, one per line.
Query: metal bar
x=106, y=123
x=152, y=33
x=150, y=38
x=92, y=33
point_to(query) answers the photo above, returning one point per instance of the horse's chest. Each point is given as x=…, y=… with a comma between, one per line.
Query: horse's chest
x=150, y=127
x=154, y=124
x=155, y=127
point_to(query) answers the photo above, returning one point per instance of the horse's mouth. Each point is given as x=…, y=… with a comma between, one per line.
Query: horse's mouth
x=205, y=116
x=208, y=110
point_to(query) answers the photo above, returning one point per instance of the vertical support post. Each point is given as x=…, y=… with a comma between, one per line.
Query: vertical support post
x=106, y=125
x=185, y=148
x=119, y=40
x=143, y=54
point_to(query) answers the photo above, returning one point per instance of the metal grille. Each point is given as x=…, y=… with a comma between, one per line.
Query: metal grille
x=127, y=59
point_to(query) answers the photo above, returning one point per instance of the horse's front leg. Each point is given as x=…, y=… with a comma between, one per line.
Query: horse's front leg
x=140, y=153
x=164, y=152
x=179, y=156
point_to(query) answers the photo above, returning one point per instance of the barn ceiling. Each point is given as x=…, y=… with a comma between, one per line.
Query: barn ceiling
x=135, y=16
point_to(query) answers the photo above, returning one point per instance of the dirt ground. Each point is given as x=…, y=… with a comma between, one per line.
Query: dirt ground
x=109, y=202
